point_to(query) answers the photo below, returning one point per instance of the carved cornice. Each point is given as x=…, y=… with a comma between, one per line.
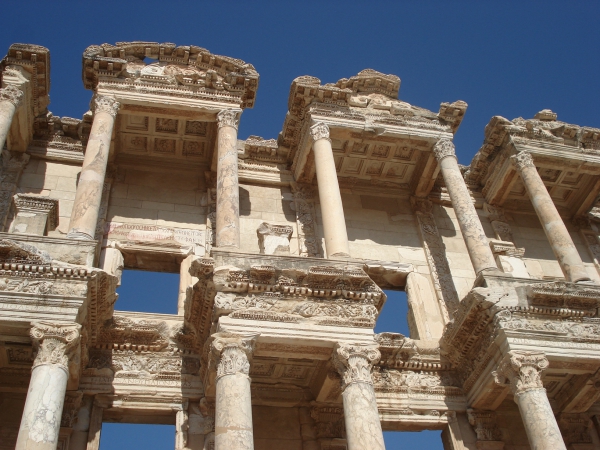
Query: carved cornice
x=563, y=294
x=319, y=130
x=443, y=148
x=103, y=103
x=270, y=229
x=522, y=371
x=232, y=354
x=229, y=118
x=11, y=94
x=354, y=362
x=54, y=343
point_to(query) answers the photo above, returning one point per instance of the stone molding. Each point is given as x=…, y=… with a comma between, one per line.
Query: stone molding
x=38, y=204
x=54, y=343
x=354, y=362
x=522, y=370
x=229, y=118
x=319, y=130
x=103, y=103
x=232, y=355
x=11, y=94
x=522, y=160
x=443, y=148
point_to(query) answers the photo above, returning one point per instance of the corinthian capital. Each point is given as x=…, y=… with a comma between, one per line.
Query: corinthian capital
x=522, y=370
x=522, y=160
x=11, y=94
x=443, y=148
x=232, y=355
x=319, y=130
x=229, y=118
x=54, y=343
x=354, y=362
x=102, y=103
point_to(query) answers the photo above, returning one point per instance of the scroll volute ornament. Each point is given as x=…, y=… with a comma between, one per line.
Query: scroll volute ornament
x=522, y=370
x=54, y=343
x=229, y=118
x=103, y=103
x=443, y=148
x=355, y=361
x=11, y=94
x=232, y=355
x=319, y=131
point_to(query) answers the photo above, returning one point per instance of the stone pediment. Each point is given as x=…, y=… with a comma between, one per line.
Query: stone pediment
x=192, y=70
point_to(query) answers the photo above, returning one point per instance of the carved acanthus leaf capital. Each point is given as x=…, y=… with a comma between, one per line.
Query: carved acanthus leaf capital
x=443, y=148
x=11, y=94
x=354, y=362
x=319, y=130
x=522, y=160
x=54, y=343
x=232, y=355
x=522, y=370
x=103, y=103
x=229, y=118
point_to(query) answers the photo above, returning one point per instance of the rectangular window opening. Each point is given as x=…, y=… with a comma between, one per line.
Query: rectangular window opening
x=127, y=436
x=145, y=291
x=393, y=317
x=400, y=440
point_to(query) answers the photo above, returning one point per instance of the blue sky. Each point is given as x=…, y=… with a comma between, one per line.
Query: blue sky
x=510, y=58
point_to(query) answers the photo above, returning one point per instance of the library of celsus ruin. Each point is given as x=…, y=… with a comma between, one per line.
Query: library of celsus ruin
x=284, y=248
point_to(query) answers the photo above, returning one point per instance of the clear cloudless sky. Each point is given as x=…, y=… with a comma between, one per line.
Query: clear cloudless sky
x=510, y=58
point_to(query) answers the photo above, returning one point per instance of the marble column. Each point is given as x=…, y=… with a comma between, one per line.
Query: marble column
x=363, y=427
x=54, y=344
x=88, y=197
x=554, y=227
x=233, y=406
x=10, y=99
x=522, y=370
x=332, y=211
x=228, y=191
x=470, y=226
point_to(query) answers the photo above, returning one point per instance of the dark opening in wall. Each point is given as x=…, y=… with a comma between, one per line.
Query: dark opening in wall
x=143, y=291
x=394, y=315
x=129, y=436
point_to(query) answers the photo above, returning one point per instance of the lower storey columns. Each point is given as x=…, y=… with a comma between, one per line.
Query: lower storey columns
x=10, y=99
x=363, y=426
x=554, y=227
x=470, y=226
x=233, y=406
x=228, y=191
x=40, y=424
x=523, y=372
x=86, y=206
x=334, y=223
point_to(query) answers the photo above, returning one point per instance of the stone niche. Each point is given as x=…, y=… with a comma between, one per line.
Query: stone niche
x=34, y=214
x=274, y=239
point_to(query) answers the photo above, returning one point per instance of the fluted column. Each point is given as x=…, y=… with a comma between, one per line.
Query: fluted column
x=363, y=427
x=560, y=240
x=10, y=99
x=233, y=406
x=228, y=191
x=54, y=344
x=470, y=226
x=522, y=370
x=332, y=211
x=86, y=207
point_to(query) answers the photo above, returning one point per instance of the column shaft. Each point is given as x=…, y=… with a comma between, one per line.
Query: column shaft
x=470, y=226
x=562, y=245
x=228, y=192
x=86, y=207
x=40, y=424
x=10, y=99
x=233, y=406
x=332, y=211
x=361, y=417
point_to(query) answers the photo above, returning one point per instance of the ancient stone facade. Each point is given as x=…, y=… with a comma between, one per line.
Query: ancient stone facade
x=284, y=248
